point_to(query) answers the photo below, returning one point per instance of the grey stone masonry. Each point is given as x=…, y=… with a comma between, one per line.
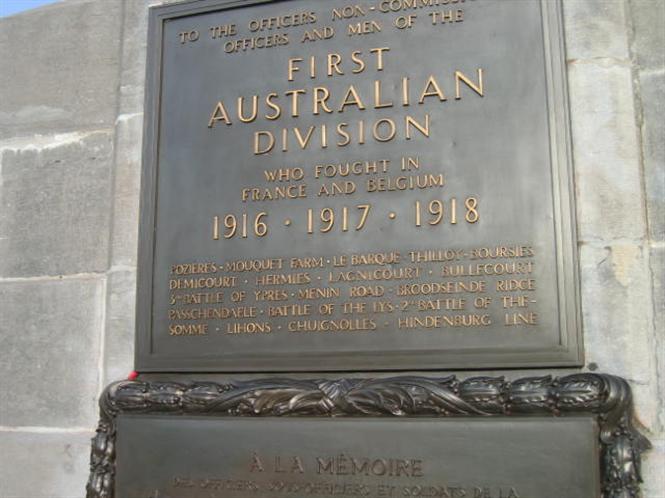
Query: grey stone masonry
x=648, y=65
x=50, y=336
x=43, y=465
x=60, y=72
x=71, y=117
x=119, y=337
x=60, y=68
x=55, y=205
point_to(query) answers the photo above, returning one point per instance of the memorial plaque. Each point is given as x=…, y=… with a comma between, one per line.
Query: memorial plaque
x=333, y=185
x=480, y=437
x=169, y=457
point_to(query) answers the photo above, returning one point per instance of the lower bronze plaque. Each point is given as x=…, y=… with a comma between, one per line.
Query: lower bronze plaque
x=535, y=437
x=195, y=457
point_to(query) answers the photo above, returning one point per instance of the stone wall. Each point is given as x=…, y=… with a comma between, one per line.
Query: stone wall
x=71, y=97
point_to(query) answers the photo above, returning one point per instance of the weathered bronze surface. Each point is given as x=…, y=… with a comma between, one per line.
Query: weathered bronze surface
x=198, y=457
x=332, y=186
x=180, y=440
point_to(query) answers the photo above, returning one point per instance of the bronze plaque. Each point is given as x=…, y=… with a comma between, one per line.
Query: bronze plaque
x=356, y=186
x=480, y=437
x=176, y=457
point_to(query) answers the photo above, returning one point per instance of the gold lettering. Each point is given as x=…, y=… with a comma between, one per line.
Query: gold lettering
x=303, y=141
x=391, y=127
x=258, y=149
x=352, y=98
x=379, y=56
x=219, y=114
x=275, y=107
x=333, y=64
x=341, y=132
x=405, y=91
x=295, y=101
x=320, y=100
x=411, y=122
x=292, y=67
x=431, y=89
x=255, y=109
x=355, y=57
x=478, y=88
x=377, y=96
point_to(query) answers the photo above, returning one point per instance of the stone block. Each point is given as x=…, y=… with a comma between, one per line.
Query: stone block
x=595, y=29
x=649, y=32
x=132, y=75
x=119, y=335
x=60, y=68
x=606, y=153
x=653, y=470
x=124, y=245
x=617, y=318
x=135, y=36
x=44, y=465
x=657, y=263
x=55, y=203
x=51, y=332
x=652, y=88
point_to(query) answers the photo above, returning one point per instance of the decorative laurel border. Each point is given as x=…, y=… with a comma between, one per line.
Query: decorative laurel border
x=606, y=397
